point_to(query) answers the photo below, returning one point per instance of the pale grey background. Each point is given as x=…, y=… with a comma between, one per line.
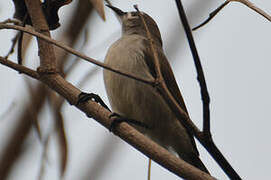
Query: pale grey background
x=235, y=53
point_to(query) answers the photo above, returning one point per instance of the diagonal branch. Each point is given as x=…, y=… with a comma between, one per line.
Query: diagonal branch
x=73, y=51
x=20, y=68
x=180, y=113
x=126, y=132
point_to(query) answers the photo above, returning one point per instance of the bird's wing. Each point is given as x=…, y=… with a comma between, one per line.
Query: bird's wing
x=168, y=76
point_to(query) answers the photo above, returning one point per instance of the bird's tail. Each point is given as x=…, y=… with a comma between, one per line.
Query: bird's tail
x=194, y=160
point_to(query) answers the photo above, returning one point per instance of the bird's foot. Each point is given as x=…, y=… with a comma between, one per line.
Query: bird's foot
x=84, y=97
x=119, y=119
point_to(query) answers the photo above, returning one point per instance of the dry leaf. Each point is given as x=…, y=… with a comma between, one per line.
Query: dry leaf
x=50, y=9
x=99, y=6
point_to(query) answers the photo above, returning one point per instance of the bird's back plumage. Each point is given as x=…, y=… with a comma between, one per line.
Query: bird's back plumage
x=166, y=130
x=139, y=101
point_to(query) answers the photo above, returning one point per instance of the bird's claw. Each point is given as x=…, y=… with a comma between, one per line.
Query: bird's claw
x=84, y=97
x=119, y=119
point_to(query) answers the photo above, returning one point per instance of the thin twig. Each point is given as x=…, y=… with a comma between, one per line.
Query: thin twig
x=20, y=68
x=162, y=87
x=206, y=140
x=14, y=42
x=253, y=7
x=245, y=2
x=73, y=51
x=159, y=77
x=211, y=15
x=13, y=21
x=149, y=169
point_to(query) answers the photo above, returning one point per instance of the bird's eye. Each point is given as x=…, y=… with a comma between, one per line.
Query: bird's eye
x=132, y=15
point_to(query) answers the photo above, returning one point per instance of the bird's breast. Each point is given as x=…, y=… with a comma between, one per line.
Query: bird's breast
x=128, y=97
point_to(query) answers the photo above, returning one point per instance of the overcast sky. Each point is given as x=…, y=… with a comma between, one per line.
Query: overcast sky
x=235, y=53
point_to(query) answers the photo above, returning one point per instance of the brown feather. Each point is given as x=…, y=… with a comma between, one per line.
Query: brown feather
x=168, y=77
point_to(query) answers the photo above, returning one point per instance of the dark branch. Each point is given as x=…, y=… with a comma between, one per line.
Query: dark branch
x=201, y=78
x=206, y=139
x=245, y=2
x=211, y=15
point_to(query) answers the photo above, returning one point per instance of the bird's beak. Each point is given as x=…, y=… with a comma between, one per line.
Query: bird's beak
x=116, y=10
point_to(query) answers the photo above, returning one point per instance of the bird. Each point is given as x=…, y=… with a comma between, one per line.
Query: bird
x=132, y=99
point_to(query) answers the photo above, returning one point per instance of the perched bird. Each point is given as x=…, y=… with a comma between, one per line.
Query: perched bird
x=135, y=100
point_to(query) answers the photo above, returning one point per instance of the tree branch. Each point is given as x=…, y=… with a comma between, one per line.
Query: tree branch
x=46, y=50
x=211, y=15
x=162, y=87
x=126, y=132
x=245, y=2
x=205, y=137
x=73, y=51
x=201, y=79
x=19, y=68
x=253, y=7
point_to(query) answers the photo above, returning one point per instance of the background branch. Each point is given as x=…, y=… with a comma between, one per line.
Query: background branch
x=12, y=150
x=206, y=140
x=253, y=7
x=245, y=2
x=70, y=50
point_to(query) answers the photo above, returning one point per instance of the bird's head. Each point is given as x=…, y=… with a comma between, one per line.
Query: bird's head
x=133, y=24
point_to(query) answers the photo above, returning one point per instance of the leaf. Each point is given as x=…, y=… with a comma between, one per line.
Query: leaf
x=99, y=6
x=50, y=9
x=62, y=139
x=57, y=103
